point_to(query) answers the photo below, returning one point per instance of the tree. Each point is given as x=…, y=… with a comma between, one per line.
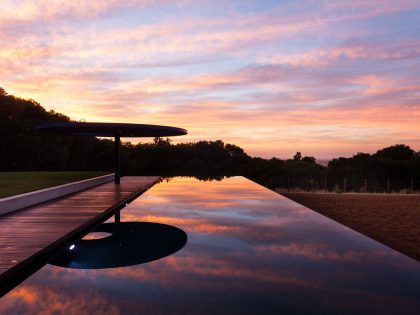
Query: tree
x=297, y=156
x=160, y=141
x=398, y=152
x=309, y=159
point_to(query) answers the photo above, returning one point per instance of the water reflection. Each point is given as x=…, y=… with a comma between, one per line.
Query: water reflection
x=249, y=251
x=127, y=244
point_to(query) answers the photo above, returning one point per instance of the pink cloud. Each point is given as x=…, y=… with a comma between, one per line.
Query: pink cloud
x=403, y=49
x=266, y=74
x=44, y=10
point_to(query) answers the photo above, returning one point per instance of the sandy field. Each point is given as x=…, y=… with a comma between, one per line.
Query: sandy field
x=392, y=219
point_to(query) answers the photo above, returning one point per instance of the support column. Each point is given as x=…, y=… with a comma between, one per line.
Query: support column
x=117, y=167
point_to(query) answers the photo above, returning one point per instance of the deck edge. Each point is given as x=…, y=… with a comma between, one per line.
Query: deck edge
x=17, y=202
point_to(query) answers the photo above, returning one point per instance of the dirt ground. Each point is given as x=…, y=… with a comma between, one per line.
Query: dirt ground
x=392, y=219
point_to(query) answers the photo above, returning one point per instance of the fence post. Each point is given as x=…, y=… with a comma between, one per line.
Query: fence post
x=345, y=184
x=412, y=185
x=388, y=185
x=365, y=185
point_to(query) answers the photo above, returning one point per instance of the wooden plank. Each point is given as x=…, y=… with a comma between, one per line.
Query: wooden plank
x=29, y=235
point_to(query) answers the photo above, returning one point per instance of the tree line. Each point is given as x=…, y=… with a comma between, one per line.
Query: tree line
x=24, y=149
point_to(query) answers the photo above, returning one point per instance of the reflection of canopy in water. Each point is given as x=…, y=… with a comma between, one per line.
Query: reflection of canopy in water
x=131, y=243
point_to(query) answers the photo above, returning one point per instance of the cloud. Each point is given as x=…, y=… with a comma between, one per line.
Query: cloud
x=262, y=79
x=403, y=49
x=45, y=10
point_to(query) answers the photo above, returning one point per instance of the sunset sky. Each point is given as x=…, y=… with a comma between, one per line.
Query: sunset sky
x=327, y=78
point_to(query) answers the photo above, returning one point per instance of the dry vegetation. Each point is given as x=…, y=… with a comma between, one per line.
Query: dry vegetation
x=392, y=219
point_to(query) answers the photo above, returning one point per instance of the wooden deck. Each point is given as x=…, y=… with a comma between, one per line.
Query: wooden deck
x=30, y=236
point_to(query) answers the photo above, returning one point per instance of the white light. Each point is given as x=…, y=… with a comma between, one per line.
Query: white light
x=72, y=246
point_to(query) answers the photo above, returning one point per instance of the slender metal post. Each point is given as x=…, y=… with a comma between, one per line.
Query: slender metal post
x=117, y=160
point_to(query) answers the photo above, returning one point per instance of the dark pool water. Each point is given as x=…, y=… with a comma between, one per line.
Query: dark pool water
x=249, y=251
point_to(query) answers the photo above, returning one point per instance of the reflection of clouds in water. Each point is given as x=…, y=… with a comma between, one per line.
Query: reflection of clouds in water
x=46, y=300
x=312, y=251
x=279, y=224
x=194, y=225
x=214, y=273
x=264, y=216
x=246, y=199
x=275, y=253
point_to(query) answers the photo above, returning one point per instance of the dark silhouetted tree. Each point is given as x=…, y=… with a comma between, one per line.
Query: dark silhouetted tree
x=297, y=156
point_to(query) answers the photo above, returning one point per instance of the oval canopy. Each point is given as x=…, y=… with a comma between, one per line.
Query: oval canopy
x=111, y=129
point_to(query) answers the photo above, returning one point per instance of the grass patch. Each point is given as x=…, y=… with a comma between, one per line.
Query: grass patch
x=13, y=183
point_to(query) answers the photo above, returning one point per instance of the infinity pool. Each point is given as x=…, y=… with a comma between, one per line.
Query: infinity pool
x=248, y=251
